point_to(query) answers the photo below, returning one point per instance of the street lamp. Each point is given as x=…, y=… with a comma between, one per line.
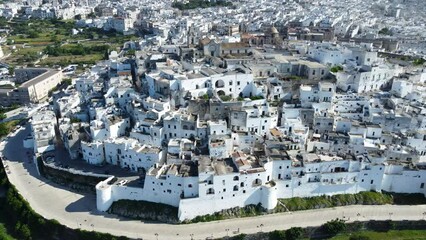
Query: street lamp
x=390, y=215
x=156, y=236
x=227, y=232
x=192, y=236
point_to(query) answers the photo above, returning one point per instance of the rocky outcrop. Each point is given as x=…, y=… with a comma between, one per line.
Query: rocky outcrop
x=145, y=210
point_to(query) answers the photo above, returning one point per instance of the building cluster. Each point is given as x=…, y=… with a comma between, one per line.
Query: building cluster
x=30, y=85
x=387, y=22
x=212, y=115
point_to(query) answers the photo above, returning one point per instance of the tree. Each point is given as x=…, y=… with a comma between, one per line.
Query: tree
x=419, y=61
x=385, y=31
x=293, y=233
x=33, y=34
x=106, y=55
x=2, y=116
x=24, y=232
x=91, y=15
x=11, y=70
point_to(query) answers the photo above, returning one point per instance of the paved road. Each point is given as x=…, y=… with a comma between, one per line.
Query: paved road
x=78, y=211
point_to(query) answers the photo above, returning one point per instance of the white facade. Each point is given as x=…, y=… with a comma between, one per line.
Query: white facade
x=43, y=131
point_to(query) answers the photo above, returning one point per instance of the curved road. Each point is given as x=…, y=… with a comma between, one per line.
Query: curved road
x=76, y=210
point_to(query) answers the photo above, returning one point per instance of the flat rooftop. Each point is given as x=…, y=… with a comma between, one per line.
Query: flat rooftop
x=39, y=78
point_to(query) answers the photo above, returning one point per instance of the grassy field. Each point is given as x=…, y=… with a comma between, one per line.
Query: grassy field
x=362, y=198
x=7, y=127
x=66, y=60
x=392, y=234
x=30, y=39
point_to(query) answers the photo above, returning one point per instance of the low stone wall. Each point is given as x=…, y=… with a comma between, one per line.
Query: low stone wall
x=74, y=179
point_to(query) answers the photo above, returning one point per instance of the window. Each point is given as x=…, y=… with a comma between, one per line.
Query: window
x=422, y=185
x=371, y=182
x=236, y=178
x=257, y=182
x=235, y=188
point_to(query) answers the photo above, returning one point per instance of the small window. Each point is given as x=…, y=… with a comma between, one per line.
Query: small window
x=422, y=185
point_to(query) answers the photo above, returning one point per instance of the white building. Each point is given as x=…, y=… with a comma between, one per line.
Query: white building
x=43, y=131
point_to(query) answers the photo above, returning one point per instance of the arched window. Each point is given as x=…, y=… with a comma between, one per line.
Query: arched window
x=210, y=191
x=236, y=178
x=220, y=84
x=236, y=188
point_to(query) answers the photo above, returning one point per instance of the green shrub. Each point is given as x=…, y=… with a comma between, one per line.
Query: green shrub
x=336, y=69
x=256, y=98
x=277, y=235
x=293, y=233
x=226, y=98
x=334, y=227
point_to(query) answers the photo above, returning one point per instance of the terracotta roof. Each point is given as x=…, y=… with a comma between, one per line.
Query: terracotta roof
x=205, y=41
x=234, y=45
